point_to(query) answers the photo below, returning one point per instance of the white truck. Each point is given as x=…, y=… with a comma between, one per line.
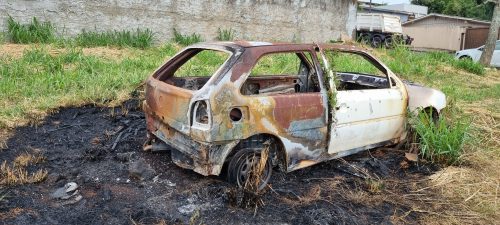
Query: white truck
x=379, y=29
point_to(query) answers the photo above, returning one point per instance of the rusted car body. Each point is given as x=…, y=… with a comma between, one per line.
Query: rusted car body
x=306, y=117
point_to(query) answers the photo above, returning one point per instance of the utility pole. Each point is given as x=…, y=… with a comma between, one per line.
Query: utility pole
x=489, y=47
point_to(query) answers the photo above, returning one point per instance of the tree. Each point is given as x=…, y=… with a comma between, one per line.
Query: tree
x=479, y=9
x=490, y=45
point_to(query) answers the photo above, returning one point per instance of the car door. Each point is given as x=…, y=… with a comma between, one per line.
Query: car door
x=368, y=110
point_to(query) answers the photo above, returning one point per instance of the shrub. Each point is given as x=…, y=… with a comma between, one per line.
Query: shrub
x=138, y=39
x=35, y=32
x=440, y=140
x=469, y=66
x=186, y=39
x=225, y=35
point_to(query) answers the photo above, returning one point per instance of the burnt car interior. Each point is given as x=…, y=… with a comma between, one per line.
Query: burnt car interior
x=193, y=68
x=282, y=73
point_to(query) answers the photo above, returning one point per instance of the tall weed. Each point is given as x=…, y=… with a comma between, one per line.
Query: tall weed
x=442, y=138
x=186, y=39
x=225, y=35
x=138, y=38
x=34, y=32
x=469, y=66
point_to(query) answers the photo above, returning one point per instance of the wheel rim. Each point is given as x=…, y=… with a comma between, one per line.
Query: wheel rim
x=248, y=164
x=376, y=41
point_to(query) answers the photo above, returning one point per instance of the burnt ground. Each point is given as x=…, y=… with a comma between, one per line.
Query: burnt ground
x=376, y=186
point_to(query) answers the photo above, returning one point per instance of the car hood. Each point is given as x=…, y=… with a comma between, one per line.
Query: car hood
x=421, y=97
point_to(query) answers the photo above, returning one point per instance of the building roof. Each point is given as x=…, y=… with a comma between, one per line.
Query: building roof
x=448, y=17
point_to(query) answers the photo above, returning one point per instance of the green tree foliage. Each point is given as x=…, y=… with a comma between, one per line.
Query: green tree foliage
x=479, y=9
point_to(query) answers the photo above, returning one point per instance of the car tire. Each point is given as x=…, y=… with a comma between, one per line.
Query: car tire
x=241, y=165
x=388, y=42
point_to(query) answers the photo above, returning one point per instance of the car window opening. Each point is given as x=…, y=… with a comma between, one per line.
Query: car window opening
x=356, y=72
x=193, y=68
x=282, y=73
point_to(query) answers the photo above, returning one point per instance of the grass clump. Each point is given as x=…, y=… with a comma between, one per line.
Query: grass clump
x=186, y=39
x=137, y=39
x=17, y=172
x=441, y=140
x=469, y=66
x=2, y=37
x=34, y=32
x=225, y=35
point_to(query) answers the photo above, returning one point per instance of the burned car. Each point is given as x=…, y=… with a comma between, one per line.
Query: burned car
x=218, y=105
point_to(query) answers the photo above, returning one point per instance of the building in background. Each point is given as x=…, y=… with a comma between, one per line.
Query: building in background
x=443, y=32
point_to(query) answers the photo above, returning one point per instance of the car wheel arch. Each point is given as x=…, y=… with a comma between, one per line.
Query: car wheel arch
x=279, y=151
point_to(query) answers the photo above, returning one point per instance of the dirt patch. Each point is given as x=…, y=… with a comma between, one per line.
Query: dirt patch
x=13, y=50
x=16, y=51
x=106, y=52
x=372, y=187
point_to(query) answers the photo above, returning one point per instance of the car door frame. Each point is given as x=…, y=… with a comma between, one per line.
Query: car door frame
x=351, y=136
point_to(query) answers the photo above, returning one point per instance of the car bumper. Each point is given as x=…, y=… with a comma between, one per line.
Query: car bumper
x=205, y=158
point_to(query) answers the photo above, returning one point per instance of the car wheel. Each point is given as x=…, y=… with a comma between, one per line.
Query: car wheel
x=243, y=169
x=376, y=41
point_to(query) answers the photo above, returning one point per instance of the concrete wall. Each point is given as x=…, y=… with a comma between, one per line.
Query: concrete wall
x=285, y=20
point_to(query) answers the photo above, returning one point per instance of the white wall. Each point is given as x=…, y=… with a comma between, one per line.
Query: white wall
x=285, y=20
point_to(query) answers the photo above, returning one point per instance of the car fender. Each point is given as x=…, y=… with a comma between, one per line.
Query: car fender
x=420, y=97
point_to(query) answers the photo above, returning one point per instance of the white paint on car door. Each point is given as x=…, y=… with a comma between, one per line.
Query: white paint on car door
x=363, y=118
x=366, y=117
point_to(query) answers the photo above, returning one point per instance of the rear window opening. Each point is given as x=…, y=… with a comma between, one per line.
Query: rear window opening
x=193, y=68
x=282, y=73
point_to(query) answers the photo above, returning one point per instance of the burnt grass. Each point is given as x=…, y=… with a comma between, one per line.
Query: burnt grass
x=374, y=187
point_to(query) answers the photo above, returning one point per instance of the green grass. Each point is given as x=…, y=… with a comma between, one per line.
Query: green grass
x=3, y=37
x=40, y=81
x=186, y=39
x=138, y=38
x=205, y=63
x=44, y=32
x=441, y=140
x=225, y=35
x=469, y=66
x=277, y=64
x=34, y=32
